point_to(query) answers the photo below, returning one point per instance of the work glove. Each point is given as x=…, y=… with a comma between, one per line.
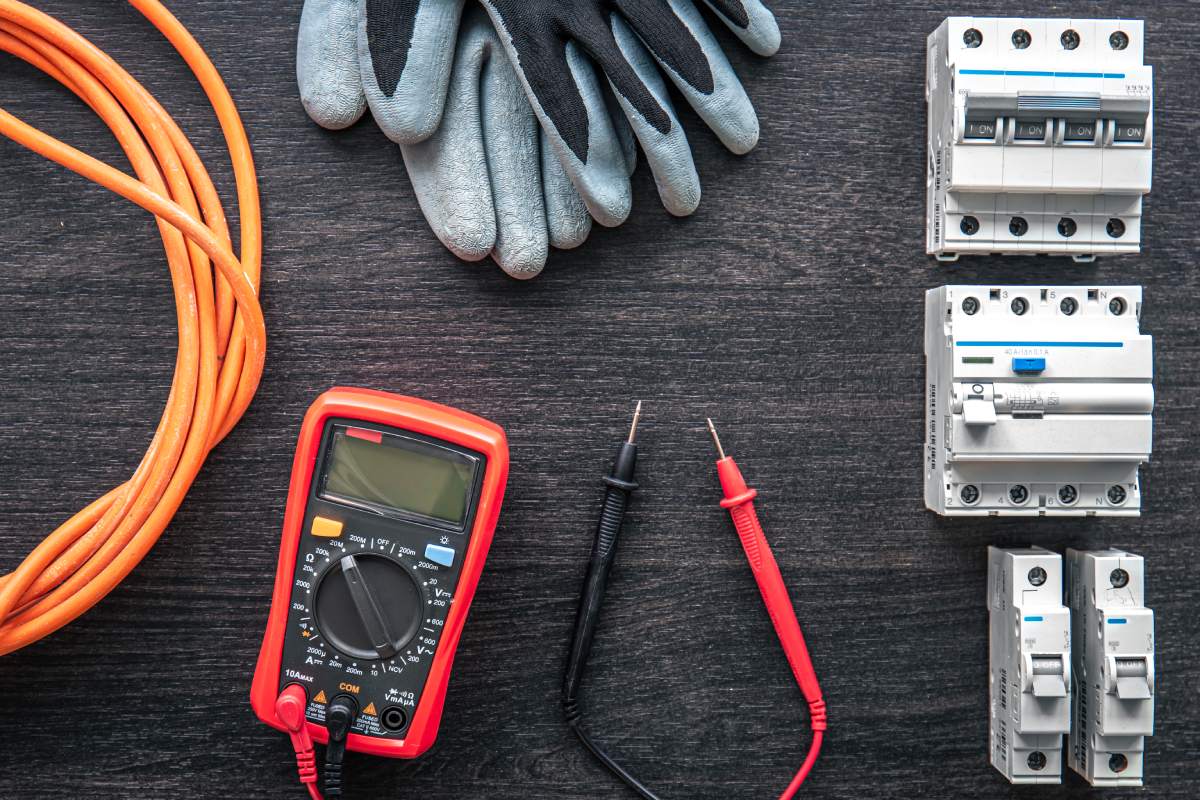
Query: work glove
x=486, y=180
x=558, y=46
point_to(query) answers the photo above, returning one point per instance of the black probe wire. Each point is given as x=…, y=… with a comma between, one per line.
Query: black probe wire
x=619, y=485
x=339, y=719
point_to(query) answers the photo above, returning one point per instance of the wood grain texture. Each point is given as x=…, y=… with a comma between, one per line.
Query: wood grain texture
x=789, y=308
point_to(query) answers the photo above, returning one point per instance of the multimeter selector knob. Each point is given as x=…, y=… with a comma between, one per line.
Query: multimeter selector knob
x=368, y=606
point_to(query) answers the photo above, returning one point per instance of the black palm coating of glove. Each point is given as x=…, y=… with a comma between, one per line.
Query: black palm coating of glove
x=541, y=28
x=390, y=25
x=734, y=10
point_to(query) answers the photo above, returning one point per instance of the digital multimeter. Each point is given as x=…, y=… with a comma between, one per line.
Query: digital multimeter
x=390, y=514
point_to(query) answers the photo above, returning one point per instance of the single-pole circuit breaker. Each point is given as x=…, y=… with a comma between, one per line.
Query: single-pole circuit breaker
x=1030, y=647
x=1041, y=136
x=1039, y=400
x=1112, y=671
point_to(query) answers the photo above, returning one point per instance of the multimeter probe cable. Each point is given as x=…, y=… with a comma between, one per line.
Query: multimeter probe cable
x=221, y=333
x=739, y=501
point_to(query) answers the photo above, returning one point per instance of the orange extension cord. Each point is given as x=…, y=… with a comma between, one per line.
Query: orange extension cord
x=222, y=338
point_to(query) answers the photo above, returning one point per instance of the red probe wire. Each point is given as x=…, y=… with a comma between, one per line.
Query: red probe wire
x=290, y=708
x=739, y=502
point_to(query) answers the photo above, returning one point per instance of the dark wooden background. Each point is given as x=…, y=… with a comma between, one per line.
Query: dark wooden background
x=789, y=309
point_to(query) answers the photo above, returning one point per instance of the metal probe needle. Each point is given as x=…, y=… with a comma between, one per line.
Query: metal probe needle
x=716, y=439
x=637, y=416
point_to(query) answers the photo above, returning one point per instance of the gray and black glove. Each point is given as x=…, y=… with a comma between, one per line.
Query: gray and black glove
x=555, y=45
x=486, y=180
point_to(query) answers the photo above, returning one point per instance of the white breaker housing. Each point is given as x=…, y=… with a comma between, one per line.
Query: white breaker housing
x=1041, y=136
x=1030, y=651
x=1038, y=401
x=1112, y=666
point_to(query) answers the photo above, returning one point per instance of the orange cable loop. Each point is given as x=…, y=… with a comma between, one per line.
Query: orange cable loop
x=222, y=336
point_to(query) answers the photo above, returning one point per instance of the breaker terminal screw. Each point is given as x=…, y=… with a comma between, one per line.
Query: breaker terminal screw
x=1116, y=228
x=969, y=494
x=1018, y=226
x=970, y=306
x=1067, y=227
x=1037, y=761
x=1117, y=495
x=1019, y=306
x=1037, y=576
x=1119, y=578
x=1021, y=39
x=1067, y=495
x=1019, y=494
x=1070, y=39
x=1119, y=40
x=1117, y=306
x=972, y=37
x=1118, y=763
x=969, y=226
x=1069, y=305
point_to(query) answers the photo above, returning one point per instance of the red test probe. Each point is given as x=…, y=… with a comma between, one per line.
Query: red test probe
x=739, y=502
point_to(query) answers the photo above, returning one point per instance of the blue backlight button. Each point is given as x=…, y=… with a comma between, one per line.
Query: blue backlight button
x=440, y=555
x=1029, y=366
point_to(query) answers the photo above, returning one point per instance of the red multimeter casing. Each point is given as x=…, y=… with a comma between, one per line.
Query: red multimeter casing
x=324, y=532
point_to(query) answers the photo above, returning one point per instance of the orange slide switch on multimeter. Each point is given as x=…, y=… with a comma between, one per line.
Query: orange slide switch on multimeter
x=390, y=514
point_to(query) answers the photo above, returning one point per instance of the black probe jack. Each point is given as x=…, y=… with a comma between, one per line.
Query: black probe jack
x=339, y=719
x=619, y=485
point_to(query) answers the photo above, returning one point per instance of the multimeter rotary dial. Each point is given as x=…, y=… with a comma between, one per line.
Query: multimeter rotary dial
x=368, y=606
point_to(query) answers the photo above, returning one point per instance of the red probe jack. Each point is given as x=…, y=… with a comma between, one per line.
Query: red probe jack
x=739, y=502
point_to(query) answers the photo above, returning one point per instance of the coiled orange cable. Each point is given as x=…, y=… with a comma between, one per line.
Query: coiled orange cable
x=222, y=337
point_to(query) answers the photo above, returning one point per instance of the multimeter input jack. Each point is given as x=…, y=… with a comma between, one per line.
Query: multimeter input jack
x=394, y=719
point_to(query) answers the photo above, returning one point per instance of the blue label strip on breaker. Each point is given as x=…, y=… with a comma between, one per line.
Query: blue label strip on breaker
x=1028, y=73
x=1041, y=344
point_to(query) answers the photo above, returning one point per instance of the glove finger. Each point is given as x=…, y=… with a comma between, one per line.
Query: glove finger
x=580, y=129
x=567, y=218
x=510, y=136
x=327, y=63
x=750, y=21
x=624, y=129
x=707, y=80
x=406, y=53
x=449, y=169
x=668, y=154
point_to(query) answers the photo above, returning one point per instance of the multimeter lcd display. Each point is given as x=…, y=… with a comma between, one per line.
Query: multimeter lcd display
x=399, y=474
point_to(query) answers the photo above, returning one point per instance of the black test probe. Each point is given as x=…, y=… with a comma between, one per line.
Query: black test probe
x=619, y=485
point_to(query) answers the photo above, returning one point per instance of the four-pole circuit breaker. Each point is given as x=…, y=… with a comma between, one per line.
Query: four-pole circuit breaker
x=1039, y=400
x=1112, y=666
x=1041, y=136
x=1030, y=649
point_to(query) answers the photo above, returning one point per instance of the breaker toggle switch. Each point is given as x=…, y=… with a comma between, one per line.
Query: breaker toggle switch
x=979, y=404
x=1132, y=678
x=1049, y=675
